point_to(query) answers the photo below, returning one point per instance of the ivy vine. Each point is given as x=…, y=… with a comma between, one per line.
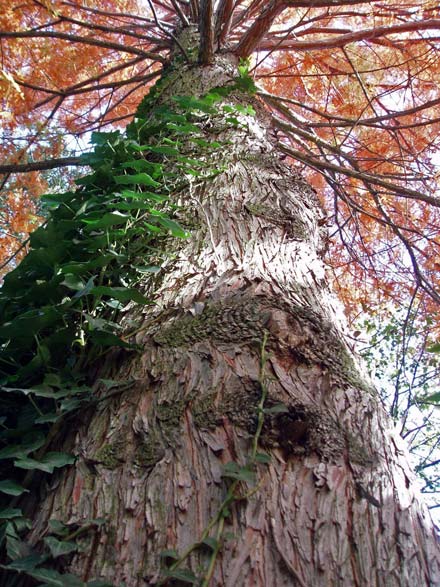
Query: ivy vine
x=60, y=308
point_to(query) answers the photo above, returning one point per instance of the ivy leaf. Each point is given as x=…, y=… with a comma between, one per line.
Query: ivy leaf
x=12, y=488
x=104, y=138
x=262, y=457
x=58, y=547
x=50, y=461
x=276, y=409
x=164, y=150
x=174, y=227
x=183, y=128
x=10, y=513
x=108, y=339
x=137, y=179
x=143, y=196
x=147, y=270
x=110, y=219
x=143, y=165
x=184, y=575
x=122, y=294
x=211, y=543
x=31, y=442
x=58, y=527
x=170, y=553
x=233, y=470
x=53, y=578
x=27, y=563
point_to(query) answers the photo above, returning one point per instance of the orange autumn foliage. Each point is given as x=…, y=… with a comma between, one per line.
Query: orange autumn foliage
x=354, y=89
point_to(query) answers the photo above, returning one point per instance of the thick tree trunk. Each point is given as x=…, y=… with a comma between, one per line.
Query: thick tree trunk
x=337, y=504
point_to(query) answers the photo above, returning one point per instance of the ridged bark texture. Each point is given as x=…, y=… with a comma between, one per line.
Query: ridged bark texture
x=338, y=504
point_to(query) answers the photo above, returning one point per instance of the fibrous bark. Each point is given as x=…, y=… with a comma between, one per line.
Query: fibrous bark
x=338, y=504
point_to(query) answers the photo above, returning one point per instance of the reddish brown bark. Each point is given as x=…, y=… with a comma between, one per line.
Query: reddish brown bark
x=338, y=504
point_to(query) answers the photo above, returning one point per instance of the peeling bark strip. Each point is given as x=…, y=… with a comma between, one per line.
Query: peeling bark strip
x=338, y=504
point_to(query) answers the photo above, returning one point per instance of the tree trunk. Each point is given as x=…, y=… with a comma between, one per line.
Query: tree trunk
x=243, y=310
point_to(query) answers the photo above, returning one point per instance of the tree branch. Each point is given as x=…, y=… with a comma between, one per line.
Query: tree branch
x=84, y=40
x=253, y=36
x=40, y=165
x=392, y=187
x=342, y=40
x=206, y=51
x=223, y=19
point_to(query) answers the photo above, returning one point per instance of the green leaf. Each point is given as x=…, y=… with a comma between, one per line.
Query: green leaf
x=232, y=120
x=104, y=138
x=133, y=206
x=48, y=463
x=109, y=219
x=435, y=348
x=108, y=339
x=212, y=543
x=435, y=398
x=73, y=282
x=31, y=442
x=276, y=409
x=184, y=575
x=164, y=150
x=262, y=457
x=32, y=465
x=170, y=553
x=12, y=488
x=244, y=109
x=122, y=294
x=137, y=179
x=147, y=270
x=58, y=527
x=16, y=548
x=233, y=470
x=58, y=547
x=10, y=514
x=143, y=165
x=52, y=379
x=56, y=579
x=183, y=128
x=152, y=228
x=174, y=227
x=27, y=563
x=29, y=323
x=143, y=196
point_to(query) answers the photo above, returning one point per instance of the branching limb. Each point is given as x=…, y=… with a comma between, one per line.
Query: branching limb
x=206, y=51
x=83, y=40
x=40, y=165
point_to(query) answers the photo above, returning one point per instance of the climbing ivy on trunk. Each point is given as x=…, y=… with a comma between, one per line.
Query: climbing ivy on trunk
x=60, y=308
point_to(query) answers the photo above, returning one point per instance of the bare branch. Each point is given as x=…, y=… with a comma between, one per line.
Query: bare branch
x=180, y=12
x=223, y=19
x=40, y=165
x=341, y=122
x=398, y=190
x=84, y=40
x=206, y=51
x=342, y=40
x=253, y=36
